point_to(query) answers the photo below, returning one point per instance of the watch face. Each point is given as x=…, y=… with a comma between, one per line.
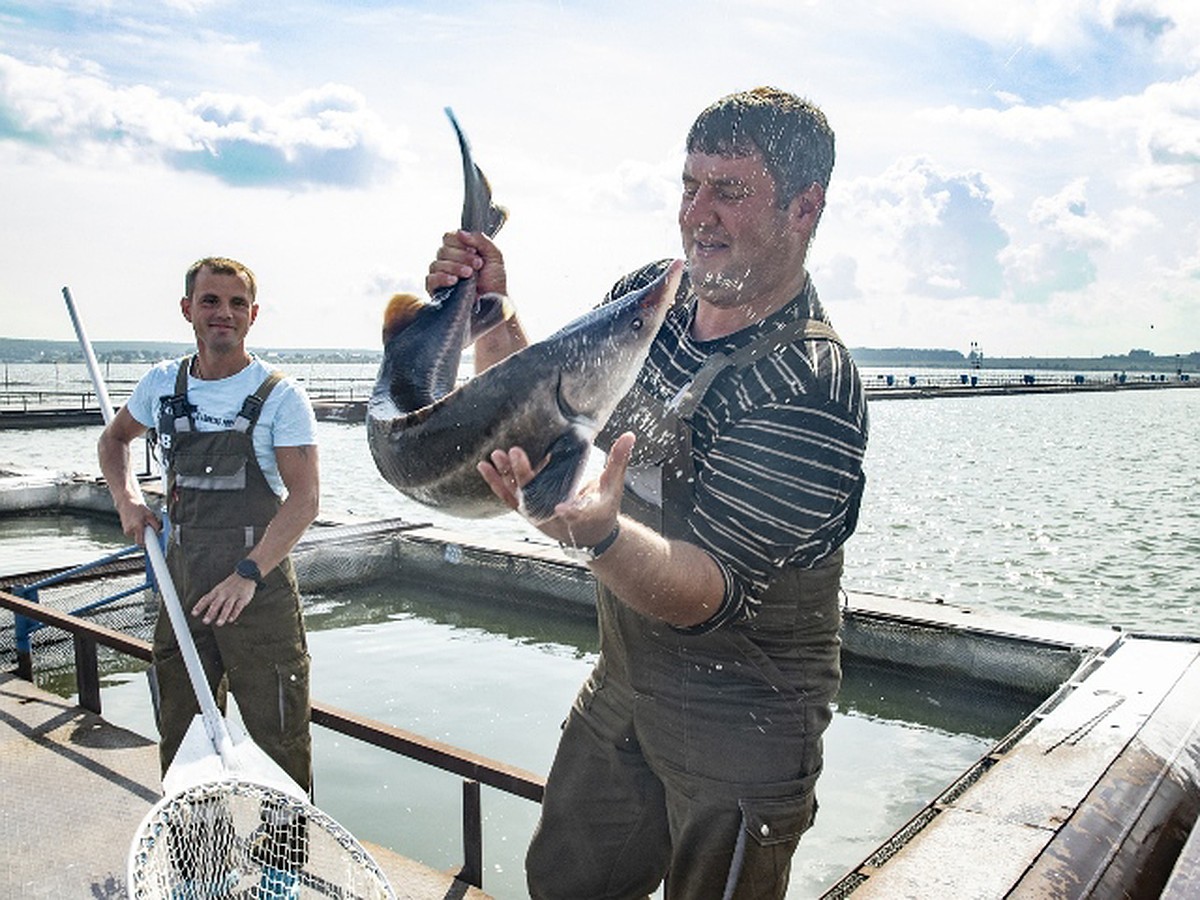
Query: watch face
x=247, y=568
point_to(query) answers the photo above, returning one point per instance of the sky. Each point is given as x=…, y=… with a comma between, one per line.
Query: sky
x=1020, y=174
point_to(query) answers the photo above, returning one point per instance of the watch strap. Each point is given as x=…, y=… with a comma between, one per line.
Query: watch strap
x=586, y=553
x=248, y=569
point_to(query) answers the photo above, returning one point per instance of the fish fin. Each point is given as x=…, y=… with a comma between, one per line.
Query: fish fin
x=399, y=314
x=554, y=483
x=480, y=212
x=497, y=215
x=491, y=310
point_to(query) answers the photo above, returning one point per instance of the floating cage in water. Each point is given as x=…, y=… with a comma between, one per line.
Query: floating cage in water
x=116, y=594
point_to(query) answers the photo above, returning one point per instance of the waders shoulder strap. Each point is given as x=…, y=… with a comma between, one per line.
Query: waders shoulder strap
x=252, y=406
x=678, y=471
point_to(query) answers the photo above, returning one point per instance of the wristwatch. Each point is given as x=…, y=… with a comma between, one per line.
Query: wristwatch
x=587, y=554
x=248, y=569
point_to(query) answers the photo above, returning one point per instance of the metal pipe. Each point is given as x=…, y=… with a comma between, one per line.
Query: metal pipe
x=214, y=722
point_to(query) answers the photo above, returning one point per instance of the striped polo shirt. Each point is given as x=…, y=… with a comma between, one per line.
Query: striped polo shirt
x=778, y=446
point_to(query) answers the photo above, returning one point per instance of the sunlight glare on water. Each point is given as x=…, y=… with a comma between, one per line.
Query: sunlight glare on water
x=1066, y=506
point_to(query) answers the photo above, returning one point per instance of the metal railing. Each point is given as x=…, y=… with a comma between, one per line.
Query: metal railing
x=475, y=770
x=24, y=627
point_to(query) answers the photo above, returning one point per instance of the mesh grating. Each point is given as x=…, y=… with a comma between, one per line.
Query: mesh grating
x=328, y=559
x=133, y=615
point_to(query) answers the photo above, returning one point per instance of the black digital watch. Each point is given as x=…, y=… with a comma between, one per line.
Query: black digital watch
x=248, y=569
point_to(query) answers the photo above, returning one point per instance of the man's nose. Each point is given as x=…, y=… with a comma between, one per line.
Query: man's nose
x=698, y=209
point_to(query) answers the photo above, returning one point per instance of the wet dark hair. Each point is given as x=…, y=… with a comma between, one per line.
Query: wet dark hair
x=221, y=265
x=790, y=132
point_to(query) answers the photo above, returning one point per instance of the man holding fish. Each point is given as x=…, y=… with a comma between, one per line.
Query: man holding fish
x=715, y=533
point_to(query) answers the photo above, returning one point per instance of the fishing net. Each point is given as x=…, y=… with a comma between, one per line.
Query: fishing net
x=239, y=839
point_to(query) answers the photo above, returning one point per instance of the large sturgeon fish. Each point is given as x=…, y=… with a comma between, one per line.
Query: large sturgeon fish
x=427, y=435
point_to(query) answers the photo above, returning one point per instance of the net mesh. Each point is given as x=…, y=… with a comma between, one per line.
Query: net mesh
x=132, y=614
x=238, y=839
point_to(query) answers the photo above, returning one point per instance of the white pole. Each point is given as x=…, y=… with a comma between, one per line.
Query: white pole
x=214, y=723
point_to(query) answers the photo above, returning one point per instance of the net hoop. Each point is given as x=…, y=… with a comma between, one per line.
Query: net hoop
x=238, y=838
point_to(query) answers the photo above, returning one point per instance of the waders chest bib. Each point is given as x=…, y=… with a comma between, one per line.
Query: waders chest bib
x=729, y=721
x=790, y=649
x=219, y=504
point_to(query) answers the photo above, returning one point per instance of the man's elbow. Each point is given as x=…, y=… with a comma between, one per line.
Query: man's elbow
x=105, y=441
x=309, y=505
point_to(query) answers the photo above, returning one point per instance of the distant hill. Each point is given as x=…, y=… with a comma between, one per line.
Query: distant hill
x=32, y=350
x=1133, y=361
x=27, y=350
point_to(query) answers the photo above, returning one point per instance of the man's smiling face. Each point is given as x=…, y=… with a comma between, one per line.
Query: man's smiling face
x=734, y=231
x=221, y=310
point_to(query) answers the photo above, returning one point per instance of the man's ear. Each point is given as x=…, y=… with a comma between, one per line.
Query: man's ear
x=807, y=205
x=185, y=307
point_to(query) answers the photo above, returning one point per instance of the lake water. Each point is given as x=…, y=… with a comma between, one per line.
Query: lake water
x=1080, y=507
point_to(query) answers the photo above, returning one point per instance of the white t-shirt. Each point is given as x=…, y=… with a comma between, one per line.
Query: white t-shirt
x=286, y=419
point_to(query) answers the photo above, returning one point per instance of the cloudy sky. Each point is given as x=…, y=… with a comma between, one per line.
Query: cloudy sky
x=1020, y=173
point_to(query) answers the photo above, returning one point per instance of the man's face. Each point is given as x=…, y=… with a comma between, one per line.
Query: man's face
x=735, y=236
x=220, y=310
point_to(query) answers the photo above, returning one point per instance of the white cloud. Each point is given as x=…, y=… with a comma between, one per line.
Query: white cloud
x=323, y=136
x=1070, y=26
x=940, y=225
x=1066, y=215
x=637, y=186
x=1037, y=272
x=838, y=277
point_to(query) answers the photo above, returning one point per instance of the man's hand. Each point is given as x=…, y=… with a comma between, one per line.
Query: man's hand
x=467, y=253
x=582, y=520
x=134, y=519
x=225, y=602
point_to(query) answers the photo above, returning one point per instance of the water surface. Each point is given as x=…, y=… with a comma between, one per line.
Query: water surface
x=1081, y=507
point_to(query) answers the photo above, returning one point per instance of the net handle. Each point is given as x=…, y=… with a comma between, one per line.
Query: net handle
x=214, y=722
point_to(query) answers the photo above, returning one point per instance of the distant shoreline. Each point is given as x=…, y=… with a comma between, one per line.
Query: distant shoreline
x=24, y=351
x=354, y=412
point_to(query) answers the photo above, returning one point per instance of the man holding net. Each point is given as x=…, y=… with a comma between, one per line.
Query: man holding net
x=238, y=443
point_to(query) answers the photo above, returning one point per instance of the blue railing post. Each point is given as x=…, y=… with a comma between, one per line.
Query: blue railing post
x=23, y=629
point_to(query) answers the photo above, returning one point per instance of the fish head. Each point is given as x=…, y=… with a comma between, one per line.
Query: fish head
x=602, y=352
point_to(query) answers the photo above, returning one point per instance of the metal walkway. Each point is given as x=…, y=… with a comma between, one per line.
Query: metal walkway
x=74, y=788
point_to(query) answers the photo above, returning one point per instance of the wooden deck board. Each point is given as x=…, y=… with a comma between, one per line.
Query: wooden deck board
x=985, y=841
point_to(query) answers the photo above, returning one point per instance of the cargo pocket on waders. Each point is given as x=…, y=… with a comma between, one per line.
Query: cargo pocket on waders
x=770, y=831
x=294, y=711
x=213, y=472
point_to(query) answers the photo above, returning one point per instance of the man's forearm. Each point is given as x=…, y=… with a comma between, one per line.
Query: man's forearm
x=285, y=529
x=499, y=343
x=113, y=454
x=674, y=581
